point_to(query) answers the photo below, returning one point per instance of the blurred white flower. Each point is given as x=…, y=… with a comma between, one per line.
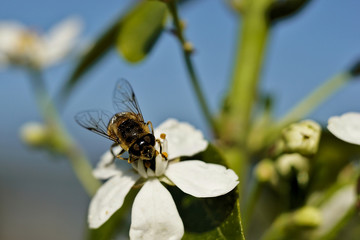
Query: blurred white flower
x=346, y=127
x=22, y=46
x=154, y=213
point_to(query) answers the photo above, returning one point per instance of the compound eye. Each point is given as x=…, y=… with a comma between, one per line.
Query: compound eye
x=135, y=150
x=136, y=147
x=147, y=139
x=150, y=139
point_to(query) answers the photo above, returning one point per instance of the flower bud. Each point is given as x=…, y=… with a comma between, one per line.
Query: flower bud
x=302, y=137
x=265, y=171
x=34, y=134
x=188, y=47
x=286, y=162
x=183, y=24
x=307, y=216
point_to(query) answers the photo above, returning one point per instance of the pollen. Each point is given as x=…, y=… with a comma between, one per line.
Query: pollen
x=165, y=155
x=163, y=136
x=156, y=152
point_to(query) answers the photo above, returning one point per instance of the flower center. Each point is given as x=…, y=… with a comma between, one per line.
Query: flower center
x=26, y=49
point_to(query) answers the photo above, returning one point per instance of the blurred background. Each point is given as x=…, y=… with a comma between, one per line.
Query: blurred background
x=40, y=198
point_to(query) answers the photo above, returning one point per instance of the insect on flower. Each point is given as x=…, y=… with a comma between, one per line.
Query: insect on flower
x=126, y=128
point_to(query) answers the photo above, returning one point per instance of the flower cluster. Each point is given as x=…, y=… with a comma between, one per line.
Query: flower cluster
x=154, y=214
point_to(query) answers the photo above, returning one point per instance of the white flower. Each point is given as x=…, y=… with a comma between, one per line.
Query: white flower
x=23, y=46
x=154, y=213
x=346, y=127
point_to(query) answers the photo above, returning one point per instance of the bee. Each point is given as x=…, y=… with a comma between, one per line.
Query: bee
x=126, y=128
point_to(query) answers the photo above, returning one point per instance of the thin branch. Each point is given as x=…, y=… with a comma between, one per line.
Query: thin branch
x=187, y=49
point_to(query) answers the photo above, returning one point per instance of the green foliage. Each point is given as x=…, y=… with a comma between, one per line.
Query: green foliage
x=333, y=155
x=92, y=56
x=281, y=201
x=140, y=29
x=134, y=34
x=280, y=10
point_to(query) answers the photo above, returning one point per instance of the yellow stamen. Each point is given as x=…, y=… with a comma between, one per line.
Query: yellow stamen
x=163, y=136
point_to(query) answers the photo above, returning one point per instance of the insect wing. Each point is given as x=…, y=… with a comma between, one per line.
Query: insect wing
x=124, y=99
x=95, y=121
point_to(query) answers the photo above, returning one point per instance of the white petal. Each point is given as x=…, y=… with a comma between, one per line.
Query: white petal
x=61, y=39
x=183, y=138
x=160, y=165
x=202, y=179
x=10, y=33
x=109, y=198
x=346, y=127
x=150, y=172
x=140, y=168
x=106, y=167
x=154, y=214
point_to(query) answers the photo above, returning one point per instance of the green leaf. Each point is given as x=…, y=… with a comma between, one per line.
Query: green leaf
x=333, y=155
x=140, y=30
x=92, y=56
x=280, y=10
x=209, y=218
x=141, y=27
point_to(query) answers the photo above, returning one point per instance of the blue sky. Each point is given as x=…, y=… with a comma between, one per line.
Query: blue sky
x=302, y=53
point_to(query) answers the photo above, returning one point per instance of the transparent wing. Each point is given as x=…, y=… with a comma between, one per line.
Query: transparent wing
x=95, y=121
x=124, y=99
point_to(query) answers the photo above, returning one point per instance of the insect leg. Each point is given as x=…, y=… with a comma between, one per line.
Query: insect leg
x=149, y=123
x=111, y=149
x=112, y=153
x=122, y=158
x=118, y=155
x=158, y=141
x=131, y=159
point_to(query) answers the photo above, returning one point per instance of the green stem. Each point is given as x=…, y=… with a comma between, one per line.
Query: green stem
x=172, y=6
x=41, y=96
x=77, y=158
x=251, y=201
x=315, y=98
x=252, y=38
x=241, y=222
